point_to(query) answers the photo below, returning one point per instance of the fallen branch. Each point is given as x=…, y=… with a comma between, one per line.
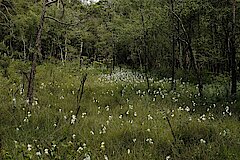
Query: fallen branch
x=80, y=92
x=174, y=137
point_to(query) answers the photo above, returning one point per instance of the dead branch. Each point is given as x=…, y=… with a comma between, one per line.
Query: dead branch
x=51, y=2
x=80, y=92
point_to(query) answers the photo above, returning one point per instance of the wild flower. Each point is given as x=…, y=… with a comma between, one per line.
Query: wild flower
x=135, y=114
x=193, y=103
x=84, y=145
x=190, y=118
x=38, y=153
x=84, y=114
x=128, y=151
x=149, y=117
x=29, y=114
x=225, y=132
x=103, y=131
x=14, y=100
x=227, y=109
x=46, y=151
x=202, y=141
x=102, y=145
x=73, y=120
x=187, y=109
x=107, y=108
x=168, y=157
x=203, y=117
x=105, y=157
x=134, y=140
x=25, y=119
x=149, y=140
x=120, y=116
x=130, y=106
x=29, y=147
x=79, y=149
x=180, y=109
x=148, y=130
x=54, y=145
x=87, y=157
x=74, y=136
x=138, y=92
x=130, y=121
x=92, y=132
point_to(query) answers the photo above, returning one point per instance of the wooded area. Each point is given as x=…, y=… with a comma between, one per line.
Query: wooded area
x=195, y=38
x=159, y=78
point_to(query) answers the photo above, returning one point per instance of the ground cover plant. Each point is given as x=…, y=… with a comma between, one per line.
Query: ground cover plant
x=119, y=116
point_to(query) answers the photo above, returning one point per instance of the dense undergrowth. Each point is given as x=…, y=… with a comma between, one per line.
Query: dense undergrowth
x=119, y=117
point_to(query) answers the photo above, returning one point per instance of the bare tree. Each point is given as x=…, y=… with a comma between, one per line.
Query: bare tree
x=37, y=51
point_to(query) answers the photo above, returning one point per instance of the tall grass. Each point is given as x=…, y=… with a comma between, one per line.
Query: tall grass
x=118, y=118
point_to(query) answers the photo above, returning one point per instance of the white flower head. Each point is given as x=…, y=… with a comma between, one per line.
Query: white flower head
x=74, y=136
x=46, y=151
x=128, y=151
x=202, y=141
x=168, y=157
x=29, y=147
x=87, y=157
x=38, y=153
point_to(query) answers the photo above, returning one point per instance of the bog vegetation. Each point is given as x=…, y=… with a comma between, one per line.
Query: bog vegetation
x=119, y=79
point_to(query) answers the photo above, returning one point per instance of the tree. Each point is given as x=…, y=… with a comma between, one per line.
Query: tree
x=37, y=51
x=233, y=50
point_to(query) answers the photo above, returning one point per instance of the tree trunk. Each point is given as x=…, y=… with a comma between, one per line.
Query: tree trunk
x=34, y=56
x=80, y=54
x=146, y=66
x=61, y=54
x=24, y=48
x=113, y=57
x=66, y=53
x=233, y=51
x=173, y=85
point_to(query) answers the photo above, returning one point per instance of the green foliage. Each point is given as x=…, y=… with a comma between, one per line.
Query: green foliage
x=4, y=64
x=119, y=118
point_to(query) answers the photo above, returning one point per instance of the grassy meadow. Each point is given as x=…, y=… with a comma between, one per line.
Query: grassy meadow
x=119, y=118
